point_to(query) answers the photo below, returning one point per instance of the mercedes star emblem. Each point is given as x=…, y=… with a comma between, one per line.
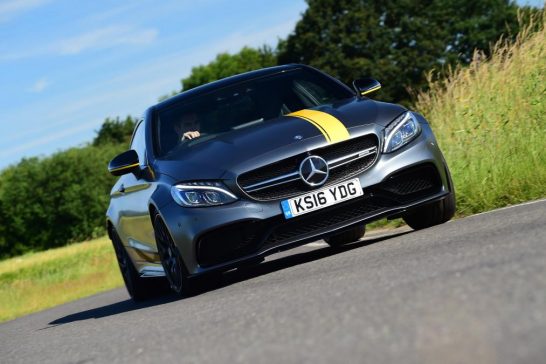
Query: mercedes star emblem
x=314, y=171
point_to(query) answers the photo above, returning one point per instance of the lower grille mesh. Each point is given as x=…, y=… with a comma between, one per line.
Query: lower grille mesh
x=345, y=213
x=414, y=180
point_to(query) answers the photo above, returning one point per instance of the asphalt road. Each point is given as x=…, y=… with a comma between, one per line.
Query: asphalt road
x=469, y=291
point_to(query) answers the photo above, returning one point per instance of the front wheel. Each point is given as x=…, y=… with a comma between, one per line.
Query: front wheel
x=432, y=214
x=171, y=260
x=346, y=237
x=139, y=288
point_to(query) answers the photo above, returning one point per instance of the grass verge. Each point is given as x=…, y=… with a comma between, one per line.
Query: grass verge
x=490, y=121
x=37, y=281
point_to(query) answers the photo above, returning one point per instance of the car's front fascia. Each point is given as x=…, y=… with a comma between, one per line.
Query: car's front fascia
x=188, y=225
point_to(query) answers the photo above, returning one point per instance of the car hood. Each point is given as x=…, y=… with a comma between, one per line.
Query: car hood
x=229, y=154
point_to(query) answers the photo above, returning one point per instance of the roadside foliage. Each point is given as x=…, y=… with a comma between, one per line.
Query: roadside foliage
x=490, y=121
x=396, y=41
x=56, y=200
x=225, y=65
x=36, y=281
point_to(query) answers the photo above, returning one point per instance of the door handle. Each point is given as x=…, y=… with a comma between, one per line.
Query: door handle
x=121, y=189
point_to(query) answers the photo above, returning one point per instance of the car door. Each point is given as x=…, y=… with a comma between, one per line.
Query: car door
x=133, y=192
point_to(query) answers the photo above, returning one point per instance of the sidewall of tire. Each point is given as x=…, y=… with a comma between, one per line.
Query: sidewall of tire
x=347, y=236
x=432, y=214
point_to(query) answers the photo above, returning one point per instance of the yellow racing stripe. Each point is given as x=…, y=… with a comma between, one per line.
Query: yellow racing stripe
x=334, y=131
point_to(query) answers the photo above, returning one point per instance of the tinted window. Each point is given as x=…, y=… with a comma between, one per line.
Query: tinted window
x=138, y=143
x=244, y=104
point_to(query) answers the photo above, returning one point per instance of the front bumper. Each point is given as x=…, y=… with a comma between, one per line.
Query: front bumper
x=225, y=236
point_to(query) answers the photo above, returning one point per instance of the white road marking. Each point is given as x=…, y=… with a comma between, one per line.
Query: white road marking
x=510, y=207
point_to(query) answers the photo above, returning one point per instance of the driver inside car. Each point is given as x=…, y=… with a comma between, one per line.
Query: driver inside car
x=188, y=127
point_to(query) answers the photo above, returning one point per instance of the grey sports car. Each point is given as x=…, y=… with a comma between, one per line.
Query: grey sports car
x=224, y=174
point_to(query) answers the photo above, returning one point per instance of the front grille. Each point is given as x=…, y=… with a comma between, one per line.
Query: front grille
x=270, y=171
x=348, y=147
x=340, y=169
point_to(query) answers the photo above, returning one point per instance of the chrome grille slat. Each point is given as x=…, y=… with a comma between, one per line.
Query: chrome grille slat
x=273, y=182
x=352, y=157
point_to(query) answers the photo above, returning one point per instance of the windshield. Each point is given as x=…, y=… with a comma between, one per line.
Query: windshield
x=241, y=105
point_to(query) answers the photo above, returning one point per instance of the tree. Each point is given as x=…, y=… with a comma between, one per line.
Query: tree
x=395, y=41
x=49, y=202
x=225, y=65
x=115, y=131
x=56, y=200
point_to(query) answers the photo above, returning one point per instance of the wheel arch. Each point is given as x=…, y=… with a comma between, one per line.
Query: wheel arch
x=152, y=210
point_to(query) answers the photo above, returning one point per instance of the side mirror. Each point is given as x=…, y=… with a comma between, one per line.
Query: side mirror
x=124, y=163
x=365, y=86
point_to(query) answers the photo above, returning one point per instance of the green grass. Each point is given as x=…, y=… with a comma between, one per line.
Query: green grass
x=37, y=281
x=490, y=121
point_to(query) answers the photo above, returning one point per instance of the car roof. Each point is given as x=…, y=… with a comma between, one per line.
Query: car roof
x=225, y=82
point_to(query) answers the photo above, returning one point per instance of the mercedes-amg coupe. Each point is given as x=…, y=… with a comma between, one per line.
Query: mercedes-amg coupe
x=224, y=174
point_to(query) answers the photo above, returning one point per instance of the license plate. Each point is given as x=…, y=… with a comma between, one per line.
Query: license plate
x=322, y=198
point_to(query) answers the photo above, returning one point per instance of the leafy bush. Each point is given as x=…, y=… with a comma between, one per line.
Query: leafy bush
x=56, y=200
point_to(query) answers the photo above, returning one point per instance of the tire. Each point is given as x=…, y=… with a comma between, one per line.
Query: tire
x=171, y=260
x=346, y=237
x=206, y=282
x=138, y=288
x=432, y=214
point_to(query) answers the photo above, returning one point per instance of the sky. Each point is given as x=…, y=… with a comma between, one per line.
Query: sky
x=67, y=65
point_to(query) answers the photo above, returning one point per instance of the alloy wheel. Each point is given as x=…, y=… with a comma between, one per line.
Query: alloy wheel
x=169, y=255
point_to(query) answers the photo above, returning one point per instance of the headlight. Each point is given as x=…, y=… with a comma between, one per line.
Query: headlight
x=201, y=194
x=401, y=131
